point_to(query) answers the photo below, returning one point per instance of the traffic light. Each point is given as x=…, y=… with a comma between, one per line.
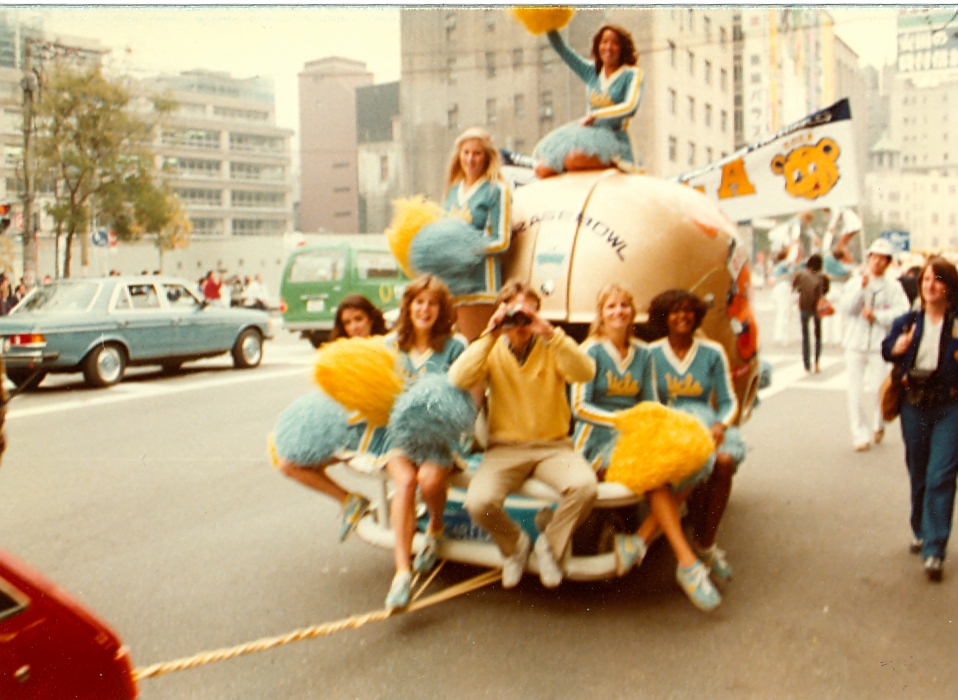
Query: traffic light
x=4, y=217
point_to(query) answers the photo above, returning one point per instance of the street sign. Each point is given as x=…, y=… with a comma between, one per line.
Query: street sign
x=900, y=239
x=100, y=238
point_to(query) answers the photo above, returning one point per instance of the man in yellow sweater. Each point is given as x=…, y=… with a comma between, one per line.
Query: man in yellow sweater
x=526, y=366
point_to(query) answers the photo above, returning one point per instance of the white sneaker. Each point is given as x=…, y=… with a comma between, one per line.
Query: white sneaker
x=549, y=572
x=514, y=566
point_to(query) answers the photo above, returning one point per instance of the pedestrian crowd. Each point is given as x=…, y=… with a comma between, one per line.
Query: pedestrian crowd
x=234, y=291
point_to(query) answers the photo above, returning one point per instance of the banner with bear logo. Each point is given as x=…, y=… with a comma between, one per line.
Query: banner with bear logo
x=807, y=165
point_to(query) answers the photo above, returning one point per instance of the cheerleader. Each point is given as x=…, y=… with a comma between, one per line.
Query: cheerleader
x=625, y=376
x=476, y=191
x=356, y=317
x=692, y=374
x=614, y=88
x=425, y=344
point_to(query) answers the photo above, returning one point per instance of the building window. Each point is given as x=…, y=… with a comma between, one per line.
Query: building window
x=197, y=197
x=691, y=19
x=451, y=70
x=691, y=61
x=545, y=105
x=692, y=109
x=707, y=28
x=737, y=70
x=724, y=121
x=723, y=80
x=519, y=105
x=546, y=57
x=207, y=227
x=755, y=59
x=708, y=155
x=707, y=71
x=258, y=200
x=672, y=54
x=491, y=111
x=673, y=148
x=490, y=22
x=256, y=143
x=192, y=138
x=384, y=168
x=723, y=36
x=517, y=58
x=250, y=115
x=934, y=218
x=257, y=171
x=452, y=117
x=490, y=64
x=450, y=24
x=739, y=121
x=259, y=227
x=708, y=114
x=756, y=78
x=193, y=167
x=691, y=153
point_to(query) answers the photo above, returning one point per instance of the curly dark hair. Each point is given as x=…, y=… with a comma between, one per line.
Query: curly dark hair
x=359, y=303
x=442, y=329
x=665, y=303
x=627, y=55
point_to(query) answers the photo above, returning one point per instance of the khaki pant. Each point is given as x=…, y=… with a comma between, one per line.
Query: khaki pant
x=503, y=470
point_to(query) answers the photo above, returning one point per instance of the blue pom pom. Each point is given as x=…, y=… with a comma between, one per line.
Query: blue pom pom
x=765, y=374
x=310, y=430
x=591, y=140
x=452, y=250
x=429, y=420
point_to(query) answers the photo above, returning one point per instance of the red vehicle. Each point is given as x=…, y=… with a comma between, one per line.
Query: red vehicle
x=53, y=647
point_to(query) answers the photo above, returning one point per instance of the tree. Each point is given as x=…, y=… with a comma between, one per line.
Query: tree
x=96, y=148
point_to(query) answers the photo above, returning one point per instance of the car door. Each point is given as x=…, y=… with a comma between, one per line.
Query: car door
x=144, y=323
x=197, y=328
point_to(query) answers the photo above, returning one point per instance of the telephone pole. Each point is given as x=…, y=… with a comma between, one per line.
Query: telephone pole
x=29, y=85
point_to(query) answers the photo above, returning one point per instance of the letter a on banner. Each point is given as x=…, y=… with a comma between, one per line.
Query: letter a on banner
x=735, y=182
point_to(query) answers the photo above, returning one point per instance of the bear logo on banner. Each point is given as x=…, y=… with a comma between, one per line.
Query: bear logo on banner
x=810, y=171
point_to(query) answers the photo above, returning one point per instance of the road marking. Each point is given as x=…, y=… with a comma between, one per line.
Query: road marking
x=130, y=391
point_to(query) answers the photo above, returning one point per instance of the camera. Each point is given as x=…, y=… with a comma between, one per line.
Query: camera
x=515, y=317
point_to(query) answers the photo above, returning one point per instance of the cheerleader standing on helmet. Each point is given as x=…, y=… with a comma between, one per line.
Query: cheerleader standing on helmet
x=425, y=342
x=356, y=317
x=614, y=88
x=693, y=375
x=625, y=376
x=476, y=191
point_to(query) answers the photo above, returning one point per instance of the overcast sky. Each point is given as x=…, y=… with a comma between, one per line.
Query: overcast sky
x=276, y=42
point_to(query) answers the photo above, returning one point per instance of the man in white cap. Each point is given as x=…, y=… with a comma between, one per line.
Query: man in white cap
x=870, y=303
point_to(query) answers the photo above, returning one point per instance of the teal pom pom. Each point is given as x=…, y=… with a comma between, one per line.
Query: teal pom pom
x=310, y=430
x=430, y=419
x=591, y=140
x=765, y=374
x=450, y=249
x=733, y=443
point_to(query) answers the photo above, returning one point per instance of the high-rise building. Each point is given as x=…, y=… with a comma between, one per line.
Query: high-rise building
x=229, y=161
x=465, y=67
x=329, y=180
x=379, y=144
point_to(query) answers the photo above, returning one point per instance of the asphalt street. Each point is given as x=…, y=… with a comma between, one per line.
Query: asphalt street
x=154, y=503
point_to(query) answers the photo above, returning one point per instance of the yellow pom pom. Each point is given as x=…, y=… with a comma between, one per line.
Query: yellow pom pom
x=409, y=215
x=271, y=451
x=360, y=374
x=657, y=445
x=539, y=20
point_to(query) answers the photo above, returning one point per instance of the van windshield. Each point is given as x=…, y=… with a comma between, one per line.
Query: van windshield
x=318, y=266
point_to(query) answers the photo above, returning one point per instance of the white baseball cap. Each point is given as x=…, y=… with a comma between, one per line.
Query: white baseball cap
x=882, y=246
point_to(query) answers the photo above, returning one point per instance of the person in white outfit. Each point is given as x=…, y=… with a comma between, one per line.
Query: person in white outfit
x=870, y=303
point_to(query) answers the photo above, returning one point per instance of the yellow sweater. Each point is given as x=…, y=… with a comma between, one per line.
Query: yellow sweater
x=527, y=403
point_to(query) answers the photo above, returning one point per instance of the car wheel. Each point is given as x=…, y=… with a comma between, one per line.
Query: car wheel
x=317, y=338
x=248, y=349
x=22, y=378
x=104, y=366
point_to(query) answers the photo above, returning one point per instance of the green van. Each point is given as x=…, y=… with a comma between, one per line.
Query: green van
x=317, y=277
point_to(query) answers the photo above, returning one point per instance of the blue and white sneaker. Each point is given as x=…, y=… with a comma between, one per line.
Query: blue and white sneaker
x=629, y=551
x=354, y=509
x=698, y=586
x=714, y=559
x=429, y=554
x=398, y=596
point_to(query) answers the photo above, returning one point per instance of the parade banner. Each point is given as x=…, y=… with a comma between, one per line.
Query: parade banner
x=807, y=165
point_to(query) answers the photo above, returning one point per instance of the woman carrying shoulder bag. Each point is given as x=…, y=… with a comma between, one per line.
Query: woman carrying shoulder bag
x=925, y=346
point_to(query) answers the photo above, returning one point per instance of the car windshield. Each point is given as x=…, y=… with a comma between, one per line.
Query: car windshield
x=60, y=296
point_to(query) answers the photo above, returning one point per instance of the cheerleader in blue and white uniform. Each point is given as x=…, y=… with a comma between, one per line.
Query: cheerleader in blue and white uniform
x=425, y=344
x=625, y=376
x=476, y=191
x=693, y=375
x=614, y=88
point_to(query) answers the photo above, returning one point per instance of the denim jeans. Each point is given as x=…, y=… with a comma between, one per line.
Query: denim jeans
x=931, y=453
x=806, y=317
